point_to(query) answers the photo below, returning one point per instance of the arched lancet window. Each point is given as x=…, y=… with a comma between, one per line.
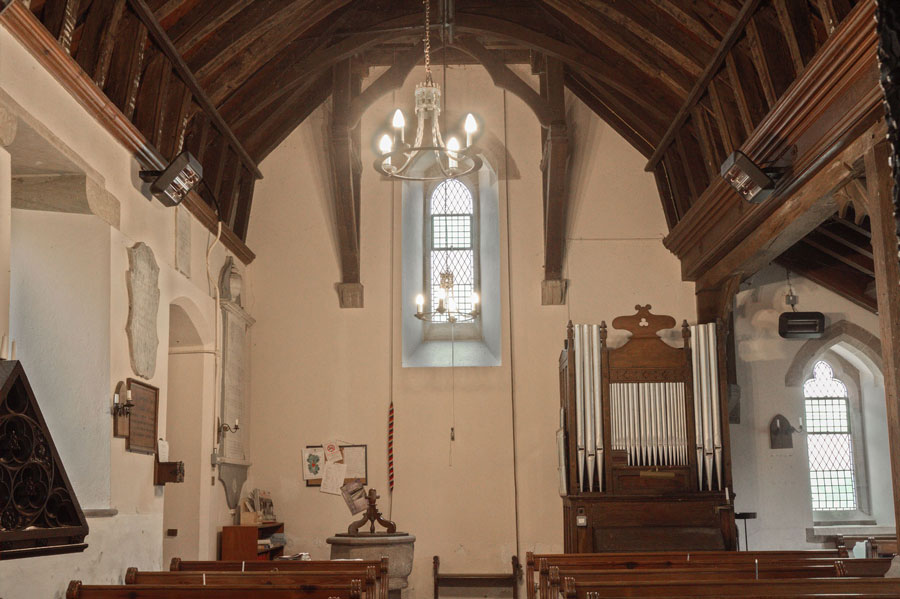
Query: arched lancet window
x=832, y=473
x=452, y=245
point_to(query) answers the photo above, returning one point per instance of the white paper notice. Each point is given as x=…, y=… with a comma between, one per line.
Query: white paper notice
x=332, y=451
x=162, y=450
x=333, y=478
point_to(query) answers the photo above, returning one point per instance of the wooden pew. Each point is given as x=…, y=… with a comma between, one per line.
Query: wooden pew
x=881, y=547
x=810, y=587
x=77, y=590
x=134, y=576
x=677, y=559
x=357, y=567
x=863, y=567
x=477, y=580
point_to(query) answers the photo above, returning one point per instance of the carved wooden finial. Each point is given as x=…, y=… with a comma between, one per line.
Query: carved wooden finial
x=644, y=323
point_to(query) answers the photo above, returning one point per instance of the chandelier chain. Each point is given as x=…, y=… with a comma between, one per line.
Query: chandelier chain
x=428, y=78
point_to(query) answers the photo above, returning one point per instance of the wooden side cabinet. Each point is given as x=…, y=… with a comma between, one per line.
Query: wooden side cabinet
x=245, y=543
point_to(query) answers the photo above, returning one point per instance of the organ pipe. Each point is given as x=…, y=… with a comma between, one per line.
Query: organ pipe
x=648, y=420
x=707, y=406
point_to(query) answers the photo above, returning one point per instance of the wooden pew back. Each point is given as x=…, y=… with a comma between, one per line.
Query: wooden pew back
x=134, y=576
x=77, y=590
x=357, y=567
x=863, y=567
x=809, y=587
x=672, y=559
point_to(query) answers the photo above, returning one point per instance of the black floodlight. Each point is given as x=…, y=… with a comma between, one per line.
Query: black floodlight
x=172, y=185
x=753, y=183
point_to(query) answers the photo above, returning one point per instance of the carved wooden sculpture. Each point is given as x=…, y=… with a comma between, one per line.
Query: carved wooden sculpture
x=372, y=515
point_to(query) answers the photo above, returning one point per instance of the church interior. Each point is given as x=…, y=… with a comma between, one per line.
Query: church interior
x=324, y=299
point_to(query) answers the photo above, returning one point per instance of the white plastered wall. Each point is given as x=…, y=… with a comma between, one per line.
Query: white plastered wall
x=118, y=480
x=320, y=372
x=774, y=483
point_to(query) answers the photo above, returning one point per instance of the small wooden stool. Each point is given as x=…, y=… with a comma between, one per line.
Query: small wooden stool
x=478, y=580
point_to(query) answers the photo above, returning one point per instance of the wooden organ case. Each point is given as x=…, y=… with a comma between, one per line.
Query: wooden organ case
x=644, y=450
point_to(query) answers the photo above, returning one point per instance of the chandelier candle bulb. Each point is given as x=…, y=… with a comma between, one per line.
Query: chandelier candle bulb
x=471, y=127
x=453, y=154
x=385, y=146
x=399, y=124
x=420, y=304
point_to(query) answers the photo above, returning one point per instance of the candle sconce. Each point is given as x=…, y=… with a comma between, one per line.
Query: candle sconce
x=121, y=411
x=225, y=428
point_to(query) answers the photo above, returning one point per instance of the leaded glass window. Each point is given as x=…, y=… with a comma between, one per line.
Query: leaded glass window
x=831, y=469
x=453, y=244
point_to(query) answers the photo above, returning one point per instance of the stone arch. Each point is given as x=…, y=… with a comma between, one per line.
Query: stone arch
x=842, y=331
x=185, y=315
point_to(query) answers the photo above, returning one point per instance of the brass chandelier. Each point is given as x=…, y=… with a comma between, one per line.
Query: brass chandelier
x=398, y=159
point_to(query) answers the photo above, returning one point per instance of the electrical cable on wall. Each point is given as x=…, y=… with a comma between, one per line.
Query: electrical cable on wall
x=512, y=351
x=215, y=287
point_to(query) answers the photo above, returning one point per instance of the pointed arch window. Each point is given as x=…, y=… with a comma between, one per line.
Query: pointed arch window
x=832, y=471
x=452, y=243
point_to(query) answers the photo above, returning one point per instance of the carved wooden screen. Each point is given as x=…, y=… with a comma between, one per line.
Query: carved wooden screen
x=39, y=513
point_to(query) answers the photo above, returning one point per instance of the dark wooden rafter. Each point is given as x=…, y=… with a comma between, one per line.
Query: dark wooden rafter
x=257, y=95
x=687, y=20
x=880, y=181
x=830, y=274
x=833, y=12
x=98, y=39
x=124, y=73
x=168, y=49
x=284, y=27
x=274, y=128
x=390, y=80
x=796, y=23
x=345, y=169
x=702, y=83
x=650, y=27
x=142, y=103
x=187, y=32
x=806, y=127
x=614, y=113
x=613, y=39
x=505, y=78
x=748, y=92
x=554, y=164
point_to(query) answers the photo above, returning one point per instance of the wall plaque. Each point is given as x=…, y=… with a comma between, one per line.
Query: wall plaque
x=143, y=306
x=142, y=423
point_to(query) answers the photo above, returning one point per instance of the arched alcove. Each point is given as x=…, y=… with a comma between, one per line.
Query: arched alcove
x=188, y=366
x=842, y=332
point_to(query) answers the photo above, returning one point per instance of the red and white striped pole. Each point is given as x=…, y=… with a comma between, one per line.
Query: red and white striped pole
x=391, y=448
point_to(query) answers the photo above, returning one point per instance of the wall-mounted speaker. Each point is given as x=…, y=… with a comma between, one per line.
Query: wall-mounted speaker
x=801, y=325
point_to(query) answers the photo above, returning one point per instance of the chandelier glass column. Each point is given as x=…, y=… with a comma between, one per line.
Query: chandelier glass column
x=400, y=160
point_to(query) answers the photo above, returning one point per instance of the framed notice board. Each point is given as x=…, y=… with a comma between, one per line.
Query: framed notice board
x=142, y=425
x=355, y=456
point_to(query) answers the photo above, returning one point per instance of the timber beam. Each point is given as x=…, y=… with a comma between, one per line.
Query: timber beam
x=555, y=167
x=834, y=102
x=346, y=171
x=880, y=182
x=883, y=182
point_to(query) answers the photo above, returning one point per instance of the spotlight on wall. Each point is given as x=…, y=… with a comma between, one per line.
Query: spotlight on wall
x=753, y=183
x=170, y=186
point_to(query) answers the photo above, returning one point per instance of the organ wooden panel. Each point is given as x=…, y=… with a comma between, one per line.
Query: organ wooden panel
x=645, y=444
